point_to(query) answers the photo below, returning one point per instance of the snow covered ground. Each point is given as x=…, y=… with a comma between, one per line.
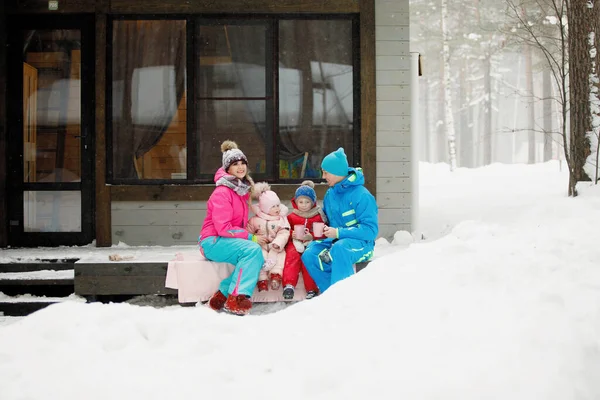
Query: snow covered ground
x=501, y=301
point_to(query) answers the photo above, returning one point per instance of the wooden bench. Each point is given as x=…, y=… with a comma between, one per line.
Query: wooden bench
x=197, y=279
x=192, y=278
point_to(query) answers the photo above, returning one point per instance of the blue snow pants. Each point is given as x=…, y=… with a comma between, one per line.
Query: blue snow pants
x=246, y=255
x=343, y=252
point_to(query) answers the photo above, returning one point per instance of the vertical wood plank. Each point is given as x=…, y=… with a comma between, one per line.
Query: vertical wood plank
x=368, y=107
x=3, y=133
x=103, y=212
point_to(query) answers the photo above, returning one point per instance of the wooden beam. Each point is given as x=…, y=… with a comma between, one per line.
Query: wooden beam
x=3, y=133
x=234, y=6
x=190, y=193
x=41, y=6
x=103, y=217
x=121, y=278
x=368, y=128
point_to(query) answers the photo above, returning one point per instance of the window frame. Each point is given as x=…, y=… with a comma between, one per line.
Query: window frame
x=193, y=22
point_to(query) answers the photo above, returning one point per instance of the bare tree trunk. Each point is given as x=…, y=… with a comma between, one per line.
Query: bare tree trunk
x=579, y=71
x=473, y=149
x=461, y=137
x=447, y=84
x=530, y=104
x=487, y=111
x=547, y=103
x=528, y=53
x=426, y=121
x=440, y=132
x=595, y=111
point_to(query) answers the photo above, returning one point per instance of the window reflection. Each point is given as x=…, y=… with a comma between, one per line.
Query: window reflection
x=315, y=93
x=148, y=100
x=52, y=106
x=235, y=84
x=232, y=98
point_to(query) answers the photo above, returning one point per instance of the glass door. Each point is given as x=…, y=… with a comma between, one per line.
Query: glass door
x=50, y=139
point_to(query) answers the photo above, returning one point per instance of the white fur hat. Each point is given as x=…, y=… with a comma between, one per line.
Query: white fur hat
x=231, y=154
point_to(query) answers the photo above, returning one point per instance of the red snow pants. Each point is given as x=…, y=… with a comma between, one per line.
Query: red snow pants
x=293, y=266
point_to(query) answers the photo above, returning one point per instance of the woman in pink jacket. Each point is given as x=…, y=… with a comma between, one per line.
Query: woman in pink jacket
x=224, y=237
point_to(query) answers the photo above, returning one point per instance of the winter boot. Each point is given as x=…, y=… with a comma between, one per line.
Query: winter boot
x=263, y=285
x=238, y=305
x=217, y=301
x=288, y=292
x=311, y=293
x=275, y=281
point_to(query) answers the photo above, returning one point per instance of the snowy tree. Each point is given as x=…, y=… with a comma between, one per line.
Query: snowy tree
x=473, y=44
x=448, y=113
x=580, y=16
x=591, y=165
x=569, y=51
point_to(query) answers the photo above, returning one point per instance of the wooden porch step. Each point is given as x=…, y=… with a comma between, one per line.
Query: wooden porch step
x=49, y=283
x=56, y=265
x=22, y=305
x=22, y=309
x=121, y=278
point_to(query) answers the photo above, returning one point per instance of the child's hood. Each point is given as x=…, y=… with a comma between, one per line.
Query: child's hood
x=283, y=212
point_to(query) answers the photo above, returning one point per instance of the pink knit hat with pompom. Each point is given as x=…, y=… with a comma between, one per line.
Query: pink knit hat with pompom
x=266, y=197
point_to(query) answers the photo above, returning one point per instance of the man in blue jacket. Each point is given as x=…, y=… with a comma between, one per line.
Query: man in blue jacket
x=352, y=216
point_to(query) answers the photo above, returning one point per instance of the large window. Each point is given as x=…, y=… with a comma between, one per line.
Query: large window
x=284, y=89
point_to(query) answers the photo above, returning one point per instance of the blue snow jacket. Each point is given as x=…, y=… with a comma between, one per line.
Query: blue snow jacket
x=352, y=209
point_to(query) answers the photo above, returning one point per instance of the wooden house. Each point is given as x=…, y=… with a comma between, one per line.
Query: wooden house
x=112, y=111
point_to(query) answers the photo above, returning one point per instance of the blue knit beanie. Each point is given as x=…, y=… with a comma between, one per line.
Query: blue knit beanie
x=306, y=190
x=336, y=163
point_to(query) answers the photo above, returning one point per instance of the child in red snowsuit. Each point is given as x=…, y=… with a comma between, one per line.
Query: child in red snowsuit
x=305, y=212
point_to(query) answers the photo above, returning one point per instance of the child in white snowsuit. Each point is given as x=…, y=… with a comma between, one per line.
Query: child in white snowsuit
x=270, y=220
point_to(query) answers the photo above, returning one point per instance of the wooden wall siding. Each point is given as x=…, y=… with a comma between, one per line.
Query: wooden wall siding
x=102, y=194
x=157, y=222
x=41, y=6
x=163, y=223
x=245, y=6
x=3, y=204
x=368, y=125
x=392, y=59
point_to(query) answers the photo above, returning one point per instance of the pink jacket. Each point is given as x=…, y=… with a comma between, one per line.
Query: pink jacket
x=276, y=229
x=226, y=213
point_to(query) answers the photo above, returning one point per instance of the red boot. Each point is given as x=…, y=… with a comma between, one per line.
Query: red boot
x=275, y=281
x=263, y=285
x=217, y=301
x=238, y=305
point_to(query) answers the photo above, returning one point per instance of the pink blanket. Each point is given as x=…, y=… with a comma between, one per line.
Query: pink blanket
x=196, y=279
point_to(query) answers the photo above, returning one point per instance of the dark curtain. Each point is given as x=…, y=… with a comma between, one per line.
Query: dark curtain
x=137, y=45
